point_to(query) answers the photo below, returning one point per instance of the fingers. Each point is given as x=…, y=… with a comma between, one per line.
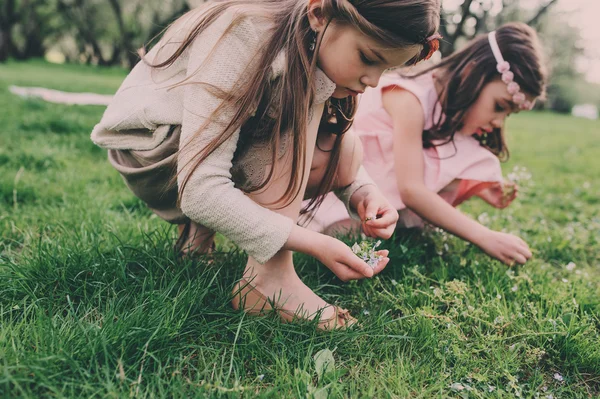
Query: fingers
x=523, y=248
x=519, y=258
x=347, y=273
x=520, y=255
x=368, y=230
x=386, y=218
x=358, y=265
x=383, y=262
x=371, y=211
x=382, y=227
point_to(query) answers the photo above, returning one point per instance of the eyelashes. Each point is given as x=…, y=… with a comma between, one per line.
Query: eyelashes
x=365, y=60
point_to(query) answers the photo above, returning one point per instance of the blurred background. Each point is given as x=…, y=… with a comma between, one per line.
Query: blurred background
x=108, y=33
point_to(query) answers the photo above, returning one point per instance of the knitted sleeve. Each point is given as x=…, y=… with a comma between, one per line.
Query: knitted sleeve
x=345, y=193
x=220, y=56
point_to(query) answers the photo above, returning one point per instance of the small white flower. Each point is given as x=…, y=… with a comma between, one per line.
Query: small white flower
x=515, y=288
x=394, y=282
x=491, y=388
x=564, y=280
x=499, y=296
x=558, y=377
x=571, y=266
x=261, y=377
x=366, y=312
x=457, y=386
x=483, y=218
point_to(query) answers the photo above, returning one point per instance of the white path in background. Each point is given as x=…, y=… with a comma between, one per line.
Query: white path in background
x=61, y=97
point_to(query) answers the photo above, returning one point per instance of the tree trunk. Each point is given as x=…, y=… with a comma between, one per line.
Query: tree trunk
x=8, y=18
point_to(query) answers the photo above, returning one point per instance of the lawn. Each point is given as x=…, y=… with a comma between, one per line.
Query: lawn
x=93, y=302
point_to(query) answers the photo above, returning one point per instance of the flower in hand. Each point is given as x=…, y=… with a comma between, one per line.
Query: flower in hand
x=378, y=216
x=366, y=251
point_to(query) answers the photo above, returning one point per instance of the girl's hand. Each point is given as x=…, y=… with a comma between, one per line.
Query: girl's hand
x=507, y=248
x=378, y=216
x=500, y=195
x=340, y=259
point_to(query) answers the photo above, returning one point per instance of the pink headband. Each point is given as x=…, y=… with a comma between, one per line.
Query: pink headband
x=508, y=77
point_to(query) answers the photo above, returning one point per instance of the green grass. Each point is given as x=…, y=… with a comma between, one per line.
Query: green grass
x=94, y=304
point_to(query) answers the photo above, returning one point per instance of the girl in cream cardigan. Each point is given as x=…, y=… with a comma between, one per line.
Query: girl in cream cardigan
x=240, y=112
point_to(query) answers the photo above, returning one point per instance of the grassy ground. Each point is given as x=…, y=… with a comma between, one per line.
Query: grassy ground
x=94, y=304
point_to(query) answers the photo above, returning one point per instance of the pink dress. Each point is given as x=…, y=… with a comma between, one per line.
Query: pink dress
x=465, y=160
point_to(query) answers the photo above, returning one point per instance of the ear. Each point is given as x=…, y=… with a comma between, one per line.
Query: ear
x=316, y=18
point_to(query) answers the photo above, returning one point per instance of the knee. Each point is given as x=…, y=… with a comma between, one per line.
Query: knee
x=351, y=155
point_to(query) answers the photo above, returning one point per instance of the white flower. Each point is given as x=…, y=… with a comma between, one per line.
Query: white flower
x=564, y=280
x=457, y=386
x=483, y=218
x=571, y=266
x=558, y=377
x=515, y=288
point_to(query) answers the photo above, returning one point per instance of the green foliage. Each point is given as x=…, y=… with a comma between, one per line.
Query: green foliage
x=93, y=302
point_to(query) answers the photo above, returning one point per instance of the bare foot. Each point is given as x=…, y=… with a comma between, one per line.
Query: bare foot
x=280, y=283
x=194, y=239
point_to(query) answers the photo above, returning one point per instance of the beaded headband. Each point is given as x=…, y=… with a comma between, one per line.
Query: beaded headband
x=503, y=67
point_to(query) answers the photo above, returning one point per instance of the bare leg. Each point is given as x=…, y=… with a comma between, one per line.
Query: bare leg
x=350, y=161
x=277, y=278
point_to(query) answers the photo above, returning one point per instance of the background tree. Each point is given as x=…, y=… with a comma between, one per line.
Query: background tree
x=464, y=19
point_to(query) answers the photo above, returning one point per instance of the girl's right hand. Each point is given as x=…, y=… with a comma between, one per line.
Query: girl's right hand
x=507, y=248
x=340, y=259
x=500, y=195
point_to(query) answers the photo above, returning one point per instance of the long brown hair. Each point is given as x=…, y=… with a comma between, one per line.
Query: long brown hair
x=395, y=23
x=467, y=71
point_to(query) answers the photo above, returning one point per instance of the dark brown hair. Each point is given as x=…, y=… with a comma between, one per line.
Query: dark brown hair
x=467, y=71
x=395, y=23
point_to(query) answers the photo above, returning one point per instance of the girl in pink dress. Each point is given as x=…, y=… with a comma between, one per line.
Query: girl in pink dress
x=433, y=140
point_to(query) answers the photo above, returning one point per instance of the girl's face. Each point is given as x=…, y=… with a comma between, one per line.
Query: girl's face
x=354, y=61
x=490, y=109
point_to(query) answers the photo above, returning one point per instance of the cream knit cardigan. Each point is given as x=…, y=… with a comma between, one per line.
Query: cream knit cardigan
x=150, y=100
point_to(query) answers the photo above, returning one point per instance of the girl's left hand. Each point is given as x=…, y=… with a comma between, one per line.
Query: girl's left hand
x=378, y=216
